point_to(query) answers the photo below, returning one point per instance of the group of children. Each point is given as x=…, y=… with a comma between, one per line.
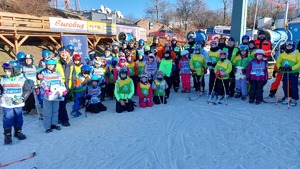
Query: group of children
x=122, y=73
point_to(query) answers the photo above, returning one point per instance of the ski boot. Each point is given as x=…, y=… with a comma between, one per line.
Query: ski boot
x=18, y=133
x=293, y=102
x=7, y=136
x=56, y=127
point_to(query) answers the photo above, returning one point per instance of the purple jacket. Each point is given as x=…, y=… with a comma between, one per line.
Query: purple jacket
x=257, y=70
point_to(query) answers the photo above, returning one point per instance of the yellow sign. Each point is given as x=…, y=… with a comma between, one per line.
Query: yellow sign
x=102, y=28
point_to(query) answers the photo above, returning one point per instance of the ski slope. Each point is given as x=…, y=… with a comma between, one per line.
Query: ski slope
x=179, y=135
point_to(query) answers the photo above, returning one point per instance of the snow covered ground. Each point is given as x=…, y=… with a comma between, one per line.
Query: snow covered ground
x=179, y=135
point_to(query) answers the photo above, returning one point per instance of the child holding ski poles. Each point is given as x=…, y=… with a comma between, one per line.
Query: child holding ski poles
x=159, y=86
x=14, y=89
x=257, y=76
x=144, y=91
x=93, y=95
x=289, y=63
x=222, y=69
x=214, y=57
x=198, y=67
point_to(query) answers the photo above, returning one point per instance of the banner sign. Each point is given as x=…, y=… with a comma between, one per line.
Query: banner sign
x=80, y=44
x=102, y=28
x=68, y=24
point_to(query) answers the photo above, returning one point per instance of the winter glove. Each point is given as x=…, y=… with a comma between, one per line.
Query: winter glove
x=86, y=81
x=214, y=64
x=103, y=84
x=282, y=68
x=288, y=69
x=244, y=71
x=47, y=92
x=274, y=74
x=148, y=99
x=209, y=64
x=144, y=100
x=65, y=93
x=88, y=97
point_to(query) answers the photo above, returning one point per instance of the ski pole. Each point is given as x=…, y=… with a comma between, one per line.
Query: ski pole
x=224, y=89
x=278, y=89
x=213, y=88
x=288, y=89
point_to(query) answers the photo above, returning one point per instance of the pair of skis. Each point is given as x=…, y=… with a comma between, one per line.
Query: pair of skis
x=20, y=160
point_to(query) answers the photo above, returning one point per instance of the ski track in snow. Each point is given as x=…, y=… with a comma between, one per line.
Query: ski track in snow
x=179, y=135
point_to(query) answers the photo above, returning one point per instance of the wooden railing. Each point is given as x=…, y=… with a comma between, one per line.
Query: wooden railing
x=12, y=21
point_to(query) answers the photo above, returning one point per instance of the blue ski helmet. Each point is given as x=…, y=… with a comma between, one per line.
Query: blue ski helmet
x=71, y=47
x=141, y=42
x=21, y=56
x=46, y=53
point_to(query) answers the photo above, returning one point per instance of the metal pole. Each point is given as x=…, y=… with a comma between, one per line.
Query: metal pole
x=254, y=22
x=286, y=13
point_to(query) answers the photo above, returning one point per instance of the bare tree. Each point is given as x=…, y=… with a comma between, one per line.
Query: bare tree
x=155, y=9
x=227, y=9
x=185, y=11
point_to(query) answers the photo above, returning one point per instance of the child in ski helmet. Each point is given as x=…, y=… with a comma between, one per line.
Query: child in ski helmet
x=257, y=76
x=222, y=69
x=14, y=89
x=83, y=78
x=184, y=66
x=159, y=87
x=289, y=63
x=29, y=71
x=93, y=96
x=151, y=67
x=110, y=78
x=239, y=64
x=77, y=63
x=53, y=90
x=199, y=68
x=144, y=91
x=124, y=90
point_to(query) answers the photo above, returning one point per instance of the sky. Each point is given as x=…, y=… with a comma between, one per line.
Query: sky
x=135, y=7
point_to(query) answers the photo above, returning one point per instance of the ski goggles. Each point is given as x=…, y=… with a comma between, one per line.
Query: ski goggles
x=49, y=57
x=86, y=72
x=223, y=53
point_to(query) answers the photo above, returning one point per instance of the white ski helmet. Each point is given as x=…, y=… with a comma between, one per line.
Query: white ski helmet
x=184, y=52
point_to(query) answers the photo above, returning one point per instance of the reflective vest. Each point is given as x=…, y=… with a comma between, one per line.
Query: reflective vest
x=124, y=86
x=160, y=87
x=30, y=74
x=94, y=92
x=145, y=89
x=12, y=91
x=61, y=71
x=225, y=66
x=140, y=66
x=185, y=66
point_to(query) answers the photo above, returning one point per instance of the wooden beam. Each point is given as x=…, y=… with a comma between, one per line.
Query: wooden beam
x=95, y=44
x=16, y=42
x=90, y=42
x=23, y=40
x=53, y=40
x=6, y=40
